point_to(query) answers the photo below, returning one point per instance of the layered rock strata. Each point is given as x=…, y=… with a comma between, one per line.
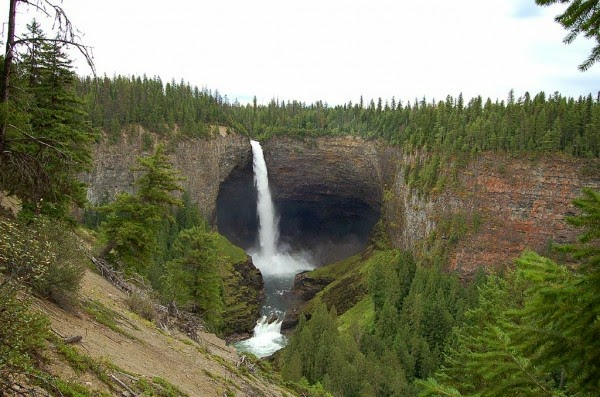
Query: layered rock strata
x=205, y=163
x=337, y=186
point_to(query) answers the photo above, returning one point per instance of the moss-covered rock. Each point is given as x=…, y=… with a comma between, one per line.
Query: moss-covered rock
x=243, y=288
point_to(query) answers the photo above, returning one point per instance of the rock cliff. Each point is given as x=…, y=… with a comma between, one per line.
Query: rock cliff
x=327, y=194
x=328, y=191
x=506, y=204
x=204, y=162
x=331, y=191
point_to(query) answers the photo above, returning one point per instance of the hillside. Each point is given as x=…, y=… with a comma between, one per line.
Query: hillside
x=133, y=348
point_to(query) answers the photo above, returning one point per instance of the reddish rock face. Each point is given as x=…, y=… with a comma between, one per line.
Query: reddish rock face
x=523, y=204
x=520, y=203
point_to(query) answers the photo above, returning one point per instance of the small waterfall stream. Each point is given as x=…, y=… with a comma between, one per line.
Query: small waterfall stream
x=278, y=268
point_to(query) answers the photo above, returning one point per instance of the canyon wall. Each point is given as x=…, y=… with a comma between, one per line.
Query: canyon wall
x=205, y=163
x=506, y=203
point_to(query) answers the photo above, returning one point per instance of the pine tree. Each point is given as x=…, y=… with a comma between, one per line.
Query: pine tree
x=192, y=278
x=536, y=332
x=133, y=222
x=52, y=146
x=582, y=16
x=484, y=360
x=560, y=327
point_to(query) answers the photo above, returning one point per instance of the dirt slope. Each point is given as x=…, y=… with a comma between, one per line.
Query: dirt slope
x=207, y=368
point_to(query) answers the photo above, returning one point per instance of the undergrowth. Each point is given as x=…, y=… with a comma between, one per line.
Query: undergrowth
x=105, y=316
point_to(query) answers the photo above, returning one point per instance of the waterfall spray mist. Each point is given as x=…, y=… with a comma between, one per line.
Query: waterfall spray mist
x=278, y=268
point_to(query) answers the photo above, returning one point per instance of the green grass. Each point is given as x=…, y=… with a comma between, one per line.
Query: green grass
x=82, y=363
x=338, y=269
x=105, y=316
x=159, y=387
x=71, y=389
x=234, y=253
x=363, y=314
x=349, y=290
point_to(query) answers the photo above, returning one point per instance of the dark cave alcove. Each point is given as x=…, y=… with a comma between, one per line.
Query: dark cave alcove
x=326, y=225
x=329, y=229
x=236, y=207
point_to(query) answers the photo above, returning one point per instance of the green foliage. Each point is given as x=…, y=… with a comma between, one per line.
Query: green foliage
x=304, y=388
x=431, y=388
x=192, y=278
x=82, y=363
x=45, y=255
x=22, y=336
x=393, y=335
x=114, y=103
x=452, y=129
x=48, y=141
x=360, y=315
x=105, y=316
x=560, y=328
x=159, y=387
x=147, y=141
x=133, y=222
x=483, y=358
x=131, y=228
x=582, y=16
x=196, y=269
x=535, y=332
x=70, y=389
x=141, y=304
x=158, y=180
x=318, y=354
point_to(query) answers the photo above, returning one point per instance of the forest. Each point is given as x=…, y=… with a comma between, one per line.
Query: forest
x=542, y=123
x=532, y=330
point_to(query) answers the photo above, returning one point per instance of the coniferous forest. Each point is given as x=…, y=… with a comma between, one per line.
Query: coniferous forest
x=524, y=123
x=529, y=331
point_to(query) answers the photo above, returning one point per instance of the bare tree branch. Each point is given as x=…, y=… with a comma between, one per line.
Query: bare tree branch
x=67, y=35
x=41, y=141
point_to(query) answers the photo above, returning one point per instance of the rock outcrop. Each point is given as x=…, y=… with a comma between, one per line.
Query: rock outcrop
x=205, y=163
x=245, y=292
x=332, y=190
x=509, y=203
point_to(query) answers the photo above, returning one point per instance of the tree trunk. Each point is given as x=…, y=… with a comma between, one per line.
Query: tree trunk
x=106, y=250
x=8, y=61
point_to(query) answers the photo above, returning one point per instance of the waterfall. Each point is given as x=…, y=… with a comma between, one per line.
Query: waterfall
x=268, y=230
x=278, y=268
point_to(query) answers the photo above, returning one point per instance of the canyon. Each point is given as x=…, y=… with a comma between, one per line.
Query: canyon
x=331, y=191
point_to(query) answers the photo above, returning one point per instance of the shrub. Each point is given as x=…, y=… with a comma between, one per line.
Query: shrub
x=22, y=334
x=141, y=305
x=44, y=255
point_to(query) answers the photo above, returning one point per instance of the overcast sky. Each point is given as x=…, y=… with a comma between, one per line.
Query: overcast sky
x=335, y=50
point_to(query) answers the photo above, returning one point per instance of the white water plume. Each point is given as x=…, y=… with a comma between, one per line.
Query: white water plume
x=267, y=257
x=278, y=268
x=267, y=339
x=267, y=232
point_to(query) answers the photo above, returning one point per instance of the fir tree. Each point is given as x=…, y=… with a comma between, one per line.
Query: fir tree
x=52, y=144
x=580, y=17
x=560, y=327
x=192, y=278
x=133, y=222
